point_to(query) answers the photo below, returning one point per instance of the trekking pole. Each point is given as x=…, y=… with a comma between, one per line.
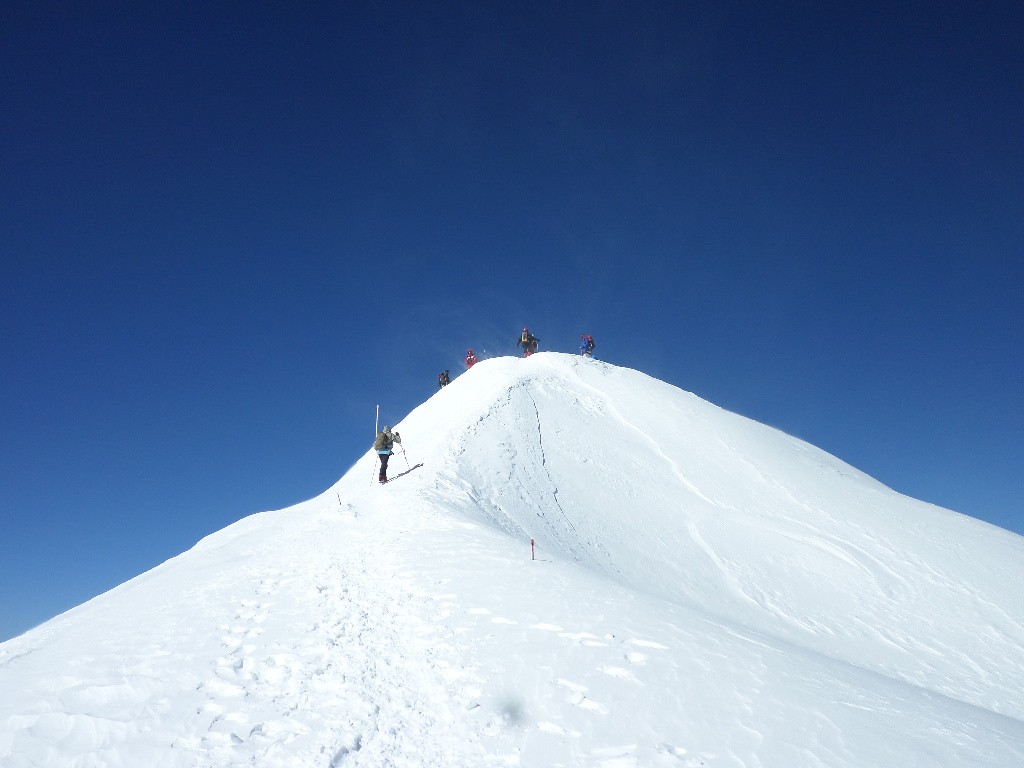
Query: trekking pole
x=404, y=456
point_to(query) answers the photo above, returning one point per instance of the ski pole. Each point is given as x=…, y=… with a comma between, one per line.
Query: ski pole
x=404, y=456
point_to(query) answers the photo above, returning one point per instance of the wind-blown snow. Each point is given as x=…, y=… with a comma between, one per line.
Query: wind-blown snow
x=707, y=592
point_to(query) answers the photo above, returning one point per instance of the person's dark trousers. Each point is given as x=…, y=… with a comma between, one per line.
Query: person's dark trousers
x=383, y=477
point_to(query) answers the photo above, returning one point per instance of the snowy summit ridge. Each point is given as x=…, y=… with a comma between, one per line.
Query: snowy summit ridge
x=707, y=591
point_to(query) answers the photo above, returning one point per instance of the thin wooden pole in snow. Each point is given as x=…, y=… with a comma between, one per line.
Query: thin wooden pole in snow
x=376, y=423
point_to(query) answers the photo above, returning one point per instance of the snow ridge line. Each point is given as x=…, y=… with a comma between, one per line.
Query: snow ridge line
x=655, y=447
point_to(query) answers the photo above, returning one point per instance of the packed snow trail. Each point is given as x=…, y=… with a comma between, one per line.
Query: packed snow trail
x=678, y=613
x=297, y=645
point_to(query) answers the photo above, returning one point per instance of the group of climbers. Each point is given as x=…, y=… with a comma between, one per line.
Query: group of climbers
x=529, y=343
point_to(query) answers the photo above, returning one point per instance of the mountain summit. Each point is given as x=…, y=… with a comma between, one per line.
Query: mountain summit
x=706, y=591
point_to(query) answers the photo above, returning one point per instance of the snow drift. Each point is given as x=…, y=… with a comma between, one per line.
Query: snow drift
x=708, y=591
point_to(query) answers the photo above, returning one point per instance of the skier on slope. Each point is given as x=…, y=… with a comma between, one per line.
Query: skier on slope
x=470, y=358
x=528, y=342
x=586, y=345
x=443, y=379
x=382, y=445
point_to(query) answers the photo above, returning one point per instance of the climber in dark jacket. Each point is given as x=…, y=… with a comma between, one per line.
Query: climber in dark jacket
x=528, y=342
x=382, y=445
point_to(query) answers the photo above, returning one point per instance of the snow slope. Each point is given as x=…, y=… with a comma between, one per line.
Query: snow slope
x=707, y=592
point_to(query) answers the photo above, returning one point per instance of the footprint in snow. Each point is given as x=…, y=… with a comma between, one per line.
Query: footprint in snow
x=619, y=673
x=221, y=689
x=577, y=696
x=584, y=638
x=648, y=644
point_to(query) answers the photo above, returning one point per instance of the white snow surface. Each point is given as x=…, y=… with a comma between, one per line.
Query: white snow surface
x=707, y=591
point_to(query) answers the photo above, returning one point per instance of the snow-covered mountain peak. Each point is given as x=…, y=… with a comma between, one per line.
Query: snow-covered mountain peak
x=668, y=494
x=707, y=591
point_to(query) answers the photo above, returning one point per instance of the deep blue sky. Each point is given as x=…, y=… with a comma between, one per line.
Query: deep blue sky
x=228, y=230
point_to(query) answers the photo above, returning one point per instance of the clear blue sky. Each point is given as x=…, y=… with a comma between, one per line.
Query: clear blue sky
x=228, y=230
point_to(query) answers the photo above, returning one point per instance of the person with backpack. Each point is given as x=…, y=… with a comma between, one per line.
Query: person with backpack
x=528, y=342
x=442, y=379
x=586, y=345
x=382, y=445
x=470, y=359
